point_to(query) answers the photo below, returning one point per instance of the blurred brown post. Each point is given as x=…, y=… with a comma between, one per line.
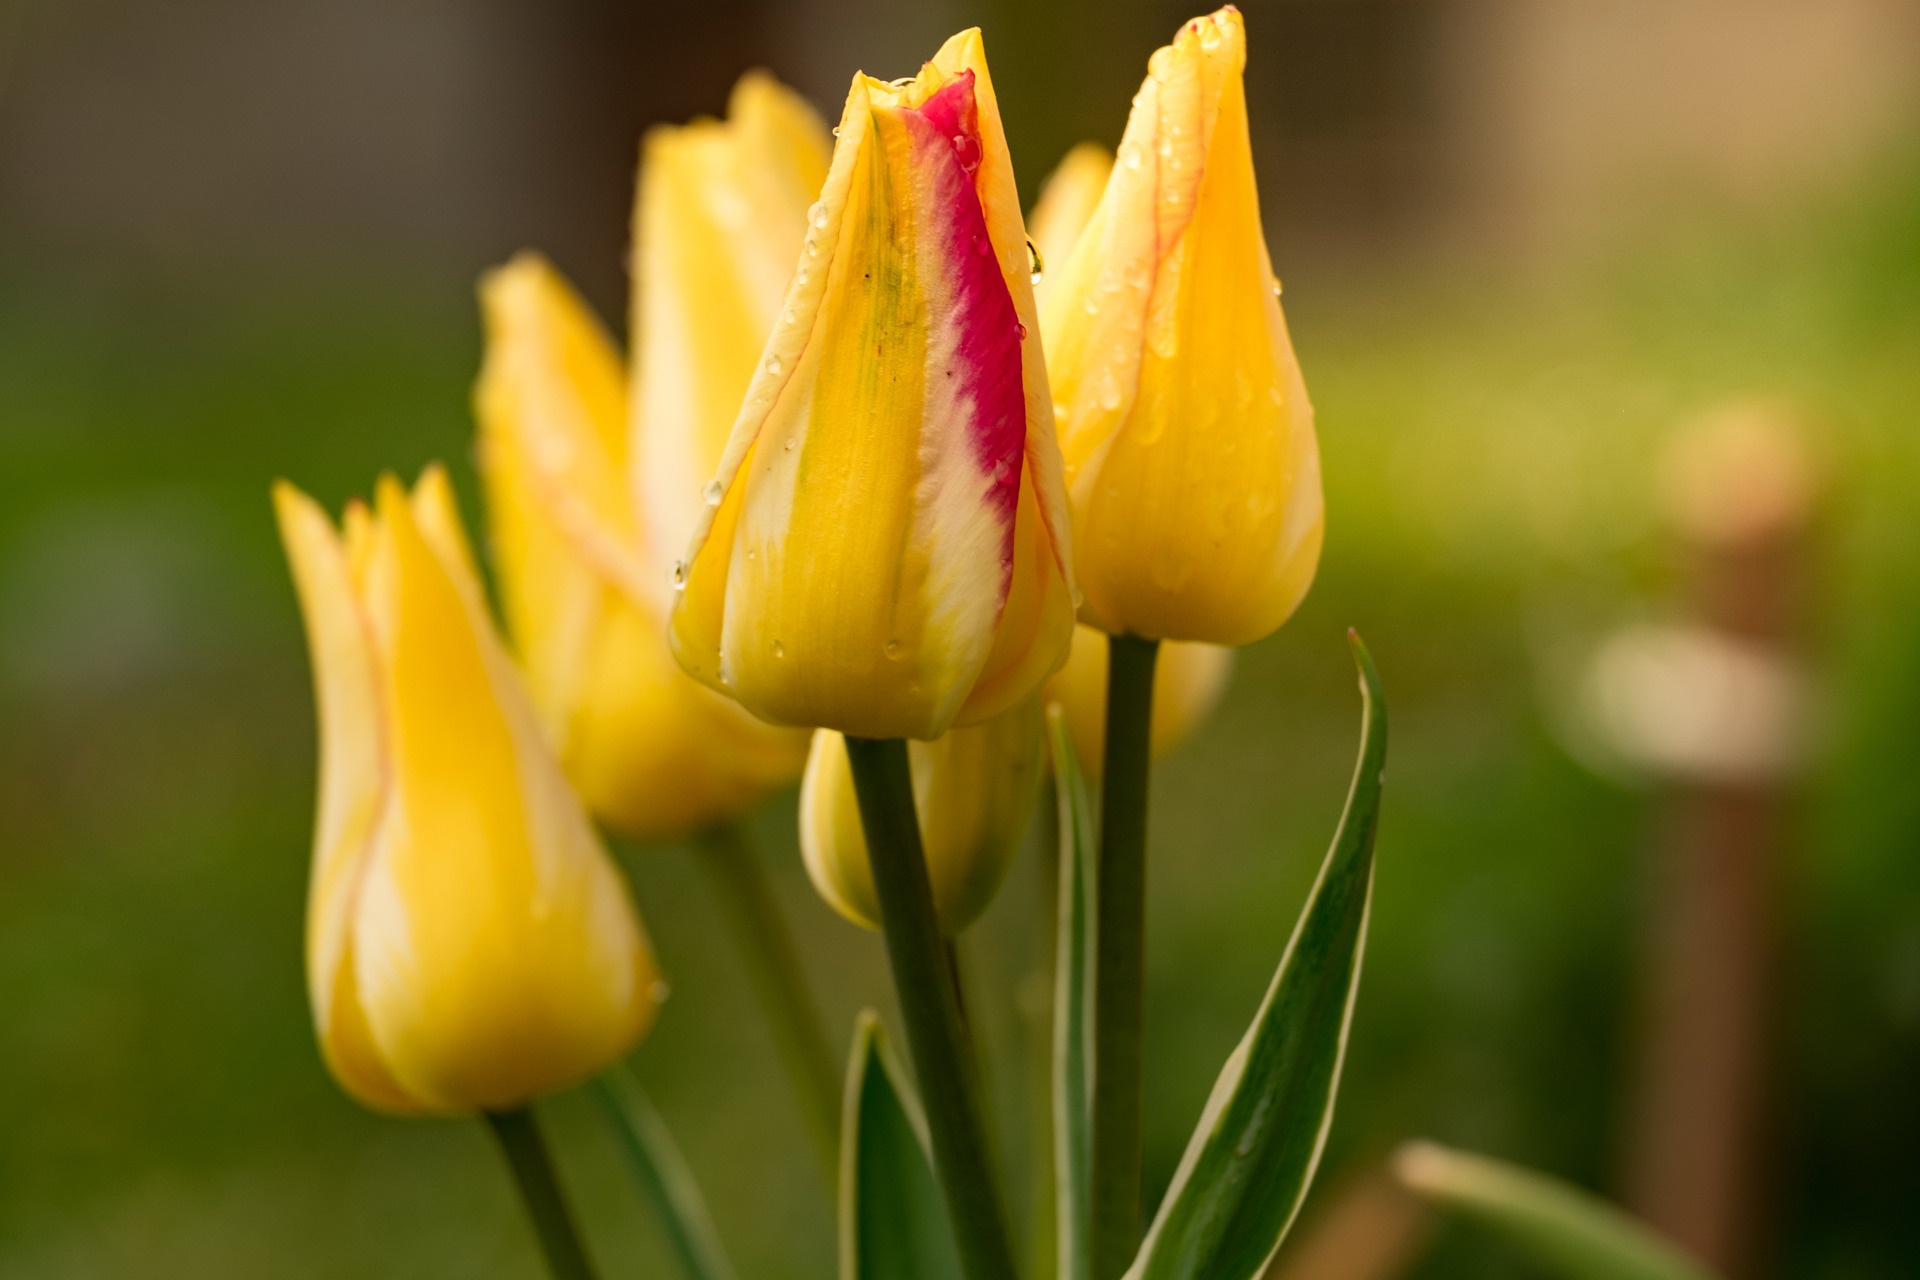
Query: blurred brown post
x=1366, y=1227
x=1739, y=494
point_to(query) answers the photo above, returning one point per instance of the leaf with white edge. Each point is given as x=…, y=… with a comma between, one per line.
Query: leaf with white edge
x=1251, y=1159
x=1575, y=1233
x=1073, y=1012
x=893, y=1220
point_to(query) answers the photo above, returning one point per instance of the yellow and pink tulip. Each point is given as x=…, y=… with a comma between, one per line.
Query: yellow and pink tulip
x=885, y=547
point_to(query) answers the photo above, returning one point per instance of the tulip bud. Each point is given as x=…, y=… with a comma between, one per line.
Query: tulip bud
x=885, y=547
x=1188, y=680
x=654, y=754
x=1191, y=465
x=1067, y=201
x=973, y=789
x=469, y=943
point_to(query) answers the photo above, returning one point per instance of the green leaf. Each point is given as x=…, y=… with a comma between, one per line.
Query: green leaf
x=1577, y=1234
x=1250, y=1160
x=893, y=1220
x=1073, y=975
x=664, y=1177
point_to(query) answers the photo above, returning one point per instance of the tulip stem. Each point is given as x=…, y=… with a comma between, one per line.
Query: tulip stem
x=930, y=1005
x=533, y=1173
x=765, y=945
x=1120, y=934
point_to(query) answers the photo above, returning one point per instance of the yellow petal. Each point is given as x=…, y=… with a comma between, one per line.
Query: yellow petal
x=1191, y=461
x=655, y=755
x=1066, y=204
x=353, y=788
x=886, y=551
x=496, y=952
x=1188, y=680
x=974, y=791
x=718, y=224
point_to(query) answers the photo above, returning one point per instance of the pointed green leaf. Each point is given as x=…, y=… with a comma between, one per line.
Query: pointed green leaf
x=1250, y=1160
x=1577, y=1234
x=664, y=1177
x=1073, y=1012
x=893, y=1220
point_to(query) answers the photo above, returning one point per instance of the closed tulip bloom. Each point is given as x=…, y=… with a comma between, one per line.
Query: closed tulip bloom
x=1188, y=681
x=470, y=946
x=1066, y=204
x=654, y=754
x=973, y=789
x=885, y=550
x=1192, y=469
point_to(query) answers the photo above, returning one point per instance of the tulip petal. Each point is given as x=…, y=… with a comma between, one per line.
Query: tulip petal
x=353, y=788
x=497, y=954
x=718, y=224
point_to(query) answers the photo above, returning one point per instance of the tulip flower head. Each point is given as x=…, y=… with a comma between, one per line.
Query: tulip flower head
x=654, y=754
x=1191, y=464
x=1188, y=681
x=884, y=549
x=470, y=945
x=974, y=790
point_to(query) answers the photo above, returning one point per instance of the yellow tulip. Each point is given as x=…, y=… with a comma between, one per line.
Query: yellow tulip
x=1067, y=201
x=583, y=566
x=1188, y=680
x=1192, y=469
x=884, y=550
x=973, y=790
x=469, y=943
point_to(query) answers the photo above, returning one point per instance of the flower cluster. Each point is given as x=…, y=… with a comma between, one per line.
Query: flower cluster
x=868, y=473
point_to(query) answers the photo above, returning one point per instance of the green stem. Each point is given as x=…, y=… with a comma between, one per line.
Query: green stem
x=765, y=946
x=1120, y=946
x=929, y=1004
x=526, y=1152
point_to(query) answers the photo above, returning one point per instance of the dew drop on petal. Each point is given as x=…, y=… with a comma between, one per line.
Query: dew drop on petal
x=711, y=494
x=774, y=366
x=893, y=648
x=779, y=650
x=1036, y=265
x=1130, y=156
x=836, y=131
x=788, y=446
x=1021, y=329
x=679, y=575
x=817, y=215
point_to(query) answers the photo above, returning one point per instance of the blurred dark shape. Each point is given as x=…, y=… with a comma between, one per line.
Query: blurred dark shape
x=1739, y=492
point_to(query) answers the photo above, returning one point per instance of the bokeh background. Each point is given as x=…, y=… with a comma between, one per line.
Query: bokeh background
x=1524, y=242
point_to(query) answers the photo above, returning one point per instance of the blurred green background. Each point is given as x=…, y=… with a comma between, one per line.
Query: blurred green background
x=1522, y=243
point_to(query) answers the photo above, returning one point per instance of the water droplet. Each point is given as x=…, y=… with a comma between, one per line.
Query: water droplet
x=787, y=447
x=817, y=215
x=966, y=149
x=1109, y=392
x=800, y=277
x=836, y=131
x=1020, y=329
x=904, y=82
x=774, y=366
x=1210, y=35
x=982, y=246
x=1036, y=265
x=787, y=317
x=711, y=494
x=1276, y=286
x=679, y=575
x=1092, y=306
x=1130, y=156
x=813, y=250
x=779, y=650
x=893, y=649
x=752, y=555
